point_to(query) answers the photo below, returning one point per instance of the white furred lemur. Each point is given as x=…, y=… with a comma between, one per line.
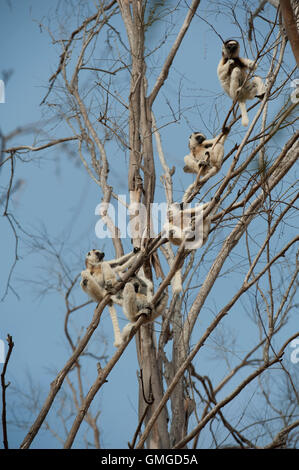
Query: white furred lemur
x=98, y=279
x=136, y=304
x=186, y=225
x=233, y=71
x=205, y=157
x=105, y=273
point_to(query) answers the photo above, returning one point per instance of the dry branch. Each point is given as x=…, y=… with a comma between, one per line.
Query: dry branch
x=4, y=387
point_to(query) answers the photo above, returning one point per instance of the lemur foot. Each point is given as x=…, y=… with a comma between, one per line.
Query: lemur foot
x=85, y=276
x=109, y=286
x=146, y=311
x=186, y=169
x=118, y=343
x=203, y=164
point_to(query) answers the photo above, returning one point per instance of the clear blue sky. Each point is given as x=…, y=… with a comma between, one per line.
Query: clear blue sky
x=59, y=196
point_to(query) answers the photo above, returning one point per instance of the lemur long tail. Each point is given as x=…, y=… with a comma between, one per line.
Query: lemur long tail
x=116, y=330
x=244, y=115
x=176, y=282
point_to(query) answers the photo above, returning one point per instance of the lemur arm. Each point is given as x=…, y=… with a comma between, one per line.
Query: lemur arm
x=91, y=286
x=191, y=165
x=248, y=63
x=120, y=261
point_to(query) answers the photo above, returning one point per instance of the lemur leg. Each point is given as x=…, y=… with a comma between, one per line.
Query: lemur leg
x=121, y=269
x=235, y=83
x=131, y=309
x=191, y=165
x=121, y=260
x=129, y=302
x=91, y=287
x=259, y=86
x=248, y=63
x=204, y=166
x=176, y=283
x=149, y=286
x=209, y=172
x=108, y=276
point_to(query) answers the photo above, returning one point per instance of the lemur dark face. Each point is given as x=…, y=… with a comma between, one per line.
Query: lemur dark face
x=94, y=257
x=231, y=48
x=196, y=138
x=136, y=287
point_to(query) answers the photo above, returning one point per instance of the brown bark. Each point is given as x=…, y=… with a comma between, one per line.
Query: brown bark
x=290, y=27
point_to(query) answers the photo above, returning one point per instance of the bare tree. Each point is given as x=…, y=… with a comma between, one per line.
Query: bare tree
x=106, y=92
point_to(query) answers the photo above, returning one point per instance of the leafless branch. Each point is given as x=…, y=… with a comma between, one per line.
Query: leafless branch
x=4, y=387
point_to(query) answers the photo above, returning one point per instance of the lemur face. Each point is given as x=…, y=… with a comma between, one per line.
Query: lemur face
x=231, y=48
x=136, y=287
x=196, y=138
x=94, y=257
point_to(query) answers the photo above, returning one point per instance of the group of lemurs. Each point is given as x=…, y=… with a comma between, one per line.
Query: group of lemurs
x=183, y=226
x=99, y=278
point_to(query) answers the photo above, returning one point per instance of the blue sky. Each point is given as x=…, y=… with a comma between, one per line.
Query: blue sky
x=58, y=198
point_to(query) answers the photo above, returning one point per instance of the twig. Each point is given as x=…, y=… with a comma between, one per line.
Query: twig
x=230, y=397
x=41, y=147
x=4, y=387
x=66, y=48
x=100, y=380
x=165, y=69
x=131, y=445
x=58, y=381
x=215, y=269
x=280, y=439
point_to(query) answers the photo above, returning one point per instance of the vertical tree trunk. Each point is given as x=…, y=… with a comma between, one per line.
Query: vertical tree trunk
x=141, y=154
x=179, y=354
x=290, y=23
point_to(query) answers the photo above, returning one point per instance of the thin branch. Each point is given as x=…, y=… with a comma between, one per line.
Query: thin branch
x=200, y=343
x=4, y=387
x=280, y=439
x=230, y=397
x=58, y=381
x=169, y=60
x=41, y=147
